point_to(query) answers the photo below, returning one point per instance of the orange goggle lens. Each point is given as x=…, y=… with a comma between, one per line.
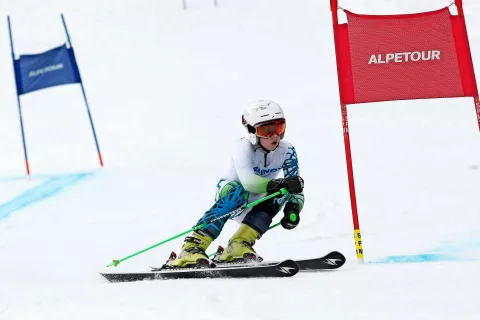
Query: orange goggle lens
x=269, y=129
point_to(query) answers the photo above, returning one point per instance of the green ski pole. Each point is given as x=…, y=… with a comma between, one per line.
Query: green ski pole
x=251, y=204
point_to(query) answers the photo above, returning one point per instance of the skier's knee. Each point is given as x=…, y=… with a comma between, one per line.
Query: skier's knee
x=233, y=194
x=232, y=188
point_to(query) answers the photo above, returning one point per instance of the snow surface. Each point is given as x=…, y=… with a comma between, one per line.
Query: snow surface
x=166, y=89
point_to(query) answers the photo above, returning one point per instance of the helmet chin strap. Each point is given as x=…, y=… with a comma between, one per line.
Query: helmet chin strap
x=265, y=149
x=257, y=142
x=262, y=148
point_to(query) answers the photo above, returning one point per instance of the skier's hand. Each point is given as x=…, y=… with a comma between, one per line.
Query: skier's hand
x=292, y=184
x=291, y=219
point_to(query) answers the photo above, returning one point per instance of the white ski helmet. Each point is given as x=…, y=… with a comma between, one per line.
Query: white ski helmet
x=258, y=113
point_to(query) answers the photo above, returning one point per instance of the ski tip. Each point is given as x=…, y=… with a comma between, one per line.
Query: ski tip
x=337, y=257
x=106, y=277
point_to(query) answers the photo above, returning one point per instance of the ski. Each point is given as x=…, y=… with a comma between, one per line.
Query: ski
x=330, y=261
x=285, y=268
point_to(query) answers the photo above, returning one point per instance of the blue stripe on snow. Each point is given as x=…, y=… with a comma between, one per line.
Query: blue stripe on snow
x=41, y=192
x=426, y=257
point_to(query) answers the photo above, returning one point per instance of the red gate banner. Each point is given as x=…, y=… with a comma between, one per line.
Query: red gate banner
x=399, y=57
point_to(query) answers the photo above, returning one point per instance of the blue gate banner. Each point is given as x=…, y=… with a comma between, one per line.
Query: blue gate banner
x=48, y=69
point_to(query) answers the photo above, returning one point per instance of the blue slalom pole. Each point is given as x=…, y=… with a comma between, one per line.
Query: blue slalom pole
x=18, y=99
x=84, y=94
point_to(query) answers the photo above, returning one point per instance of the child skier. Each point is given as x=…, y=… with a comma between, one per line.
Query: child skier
x=256, y=164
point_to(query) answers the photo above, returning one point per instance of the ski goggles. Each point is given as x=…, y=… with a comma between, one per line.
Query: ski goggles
x=268, y=129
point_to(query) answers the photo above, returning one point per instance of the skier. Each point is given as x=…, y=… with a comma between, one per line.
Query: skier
x=256, y=164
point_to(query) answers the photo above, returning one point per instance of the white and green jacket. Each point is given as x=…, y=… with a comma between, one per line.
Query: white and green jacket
x=254, y=168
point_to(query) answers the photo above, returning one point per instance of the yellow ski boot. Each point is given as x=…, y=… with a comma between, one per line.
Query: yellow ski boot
x=193, y=252
x=240, y=247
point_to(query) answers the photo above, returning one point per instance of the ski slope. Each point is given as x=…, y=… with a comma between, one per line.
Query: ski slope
x=166, y=89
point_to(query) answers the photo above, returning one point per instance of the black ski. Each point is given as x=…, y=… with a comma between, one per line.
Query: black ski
x=285, y=268
x=333, y=260
x=330, y=261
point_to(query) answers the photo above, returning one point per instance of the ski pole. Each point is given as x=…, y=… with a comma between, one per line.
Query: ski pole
x=251, y=204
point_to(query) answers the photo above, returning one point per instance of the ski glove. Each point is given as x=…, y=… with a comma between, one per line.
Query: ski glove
x=291, y=219
x=292, y=184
